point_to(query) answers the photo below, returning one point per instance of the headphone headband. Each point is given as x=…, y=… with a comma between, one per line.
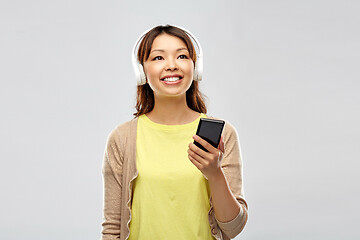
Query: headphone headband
x=139, y=70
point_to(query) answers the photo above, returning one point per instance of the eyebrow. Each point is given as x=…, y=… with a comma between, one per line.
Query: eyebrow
x=162, y=50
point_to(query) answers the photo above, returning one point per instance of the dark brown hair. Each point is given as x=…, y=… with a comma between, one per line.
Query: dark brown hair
x=145, y=97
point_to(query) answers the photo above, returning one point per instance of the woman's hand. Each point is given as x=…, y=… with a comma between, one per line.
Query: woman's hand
x=209, y=163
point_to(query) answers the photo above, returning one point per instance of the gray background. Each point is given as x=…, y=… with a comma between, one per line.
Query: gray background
x=285, y=73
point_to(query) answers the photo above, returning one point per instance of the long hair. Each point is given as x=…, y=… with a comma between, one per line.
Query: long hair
x=145, y=96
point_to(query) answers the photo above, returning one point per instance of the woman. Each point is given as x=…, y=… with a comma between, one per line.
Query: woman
x=157, y=183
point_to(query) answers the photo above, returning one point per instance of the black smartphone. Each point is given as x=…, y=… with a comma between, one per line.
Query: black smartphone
x=210, y=130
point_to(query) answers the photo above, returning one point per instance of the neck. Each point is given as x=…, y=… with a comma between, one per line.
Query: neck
x=172, y=111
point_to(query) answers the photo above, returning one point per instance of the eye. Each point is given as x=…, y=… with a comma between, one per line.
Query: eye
x=157, y=58
x=183, y=56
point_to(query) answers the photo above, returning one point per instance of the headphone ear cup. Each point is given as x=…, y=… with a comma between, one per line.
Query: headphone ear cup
x=198, y=69
x=141, y=76
x=196, y=73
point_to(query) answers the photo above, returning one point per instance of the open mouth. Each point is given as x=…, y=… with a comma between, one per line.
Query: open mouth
x=171, y=79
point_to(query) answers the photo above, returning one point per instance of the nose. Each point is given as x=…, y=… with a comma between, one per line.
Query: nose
x=171, y=65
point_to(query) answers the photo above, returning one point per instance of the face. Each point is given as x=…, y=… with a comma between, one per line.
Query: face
x=169, y=69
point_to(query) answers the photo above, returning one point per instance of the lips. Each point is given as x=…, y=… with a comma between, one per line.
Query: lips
x=172, y=82
x=172, y=76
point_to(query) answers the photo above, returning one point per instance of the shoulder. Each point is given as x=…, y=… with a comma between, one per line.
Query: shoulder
x=121, y=131
x=120, y=139
x=229, y=129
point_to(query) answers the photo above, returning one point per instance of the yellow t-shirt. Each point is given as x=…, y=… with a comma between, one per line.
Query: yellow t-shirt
x=171, y=196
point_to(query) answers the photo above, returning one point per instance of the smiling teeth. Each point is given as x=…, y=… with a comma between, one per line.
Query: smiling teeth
x=172, y=79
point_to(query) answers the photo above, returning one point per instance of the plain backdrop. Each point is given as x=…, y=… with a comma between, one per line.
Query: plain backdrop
x=284, y=73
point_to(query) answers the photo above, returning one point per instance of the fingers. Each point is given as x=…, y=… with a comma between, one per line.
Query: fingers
x=203, y=157
x=196, y=151
x=205, y=144
x=194, y=161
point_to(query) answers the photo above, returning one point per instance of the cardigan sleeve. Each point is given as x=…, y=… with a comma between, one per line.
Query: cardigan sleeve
x=232, y=167
x=112, y=188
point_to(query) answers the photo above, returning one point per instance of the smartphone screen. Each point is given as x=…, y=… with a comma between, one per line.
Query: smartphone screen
x=210, y=130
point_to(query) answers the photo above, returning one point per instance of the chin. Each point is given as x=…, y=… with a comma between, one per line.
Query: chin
x=172, y=90
x=174, y=94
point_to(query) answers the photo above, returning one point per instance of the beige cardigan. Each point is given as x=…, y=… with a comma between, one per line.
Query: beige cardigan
x=119, y=171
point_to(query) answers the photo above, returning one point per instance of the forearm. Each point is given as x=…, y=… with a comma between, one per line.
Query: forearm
x=225, y=205
x=112, y=207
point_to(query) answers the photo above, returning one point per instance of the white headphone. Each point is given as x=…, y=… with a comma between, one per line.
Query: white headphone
x=139, y=70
